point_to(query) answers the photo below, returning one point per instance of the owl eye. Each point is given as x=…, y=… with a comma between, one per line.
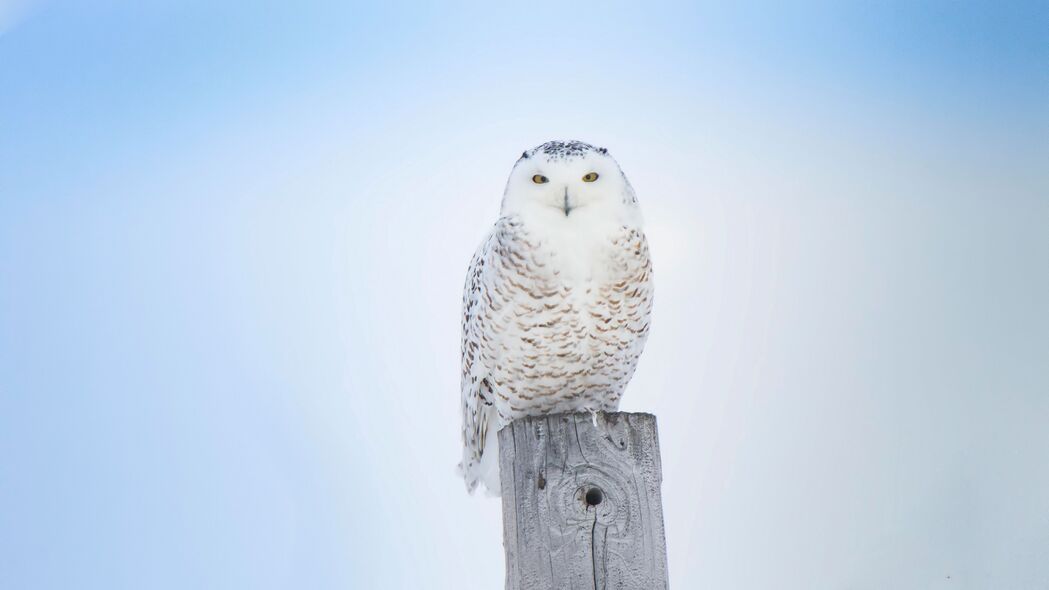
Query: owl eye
x=540, y=179
x=591, y=177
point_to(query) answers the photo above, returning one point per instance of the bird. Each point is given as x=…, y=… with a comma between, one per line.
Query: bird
x=557, y=302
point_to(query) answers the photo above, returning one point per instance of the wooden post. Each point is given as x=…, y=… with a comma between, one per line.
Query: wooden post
x=581, y=503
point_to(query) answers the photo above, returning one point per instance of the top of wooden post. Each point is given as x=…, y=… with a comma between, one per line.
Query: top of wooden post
x=581, y=502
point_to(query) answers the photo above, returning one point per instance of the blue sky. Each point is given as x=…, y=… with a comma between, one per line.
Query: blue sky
x=233, y=239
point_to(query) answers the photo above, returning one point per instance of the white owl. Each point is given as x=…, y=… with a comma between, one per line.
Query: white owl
x=557, y=300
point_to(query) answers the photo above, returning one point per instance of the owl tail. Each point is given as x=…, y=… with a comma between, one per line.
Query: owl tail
x=484, y=469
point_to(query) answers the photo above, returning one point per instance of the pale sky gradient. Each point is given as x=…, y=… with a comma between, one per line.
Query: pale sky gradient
x=233, y=238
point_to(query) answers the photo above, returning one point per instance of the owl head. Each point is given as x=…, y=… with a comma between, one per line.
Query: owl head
x=570, y=182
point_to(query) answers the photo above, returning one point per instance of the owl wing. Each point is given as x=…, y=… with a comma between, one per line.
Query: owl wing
x=478, y=411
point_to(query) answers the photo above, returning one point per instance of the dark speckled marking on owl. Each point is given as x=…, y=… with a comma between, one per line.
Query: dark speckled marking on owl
x=563, y=150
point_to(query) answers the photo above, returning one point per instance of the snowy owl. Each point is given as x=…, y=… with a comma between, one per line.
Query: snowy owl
x=557, y=300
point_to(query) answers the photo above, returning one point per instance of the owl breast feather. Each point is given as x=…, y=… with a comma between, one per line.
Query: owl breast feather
x=568, y=320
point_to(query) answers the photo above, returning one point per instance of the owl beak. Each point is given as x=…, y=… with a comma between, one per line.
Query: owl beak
x=567, y=207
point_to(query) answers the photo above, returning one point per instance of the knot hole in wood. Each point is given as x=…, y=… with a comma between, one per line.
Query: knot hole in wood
x=594, y=496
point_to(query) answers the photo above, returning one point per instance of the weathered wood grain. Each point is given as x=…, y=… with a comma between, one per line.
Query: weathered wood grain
x=581, y=502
